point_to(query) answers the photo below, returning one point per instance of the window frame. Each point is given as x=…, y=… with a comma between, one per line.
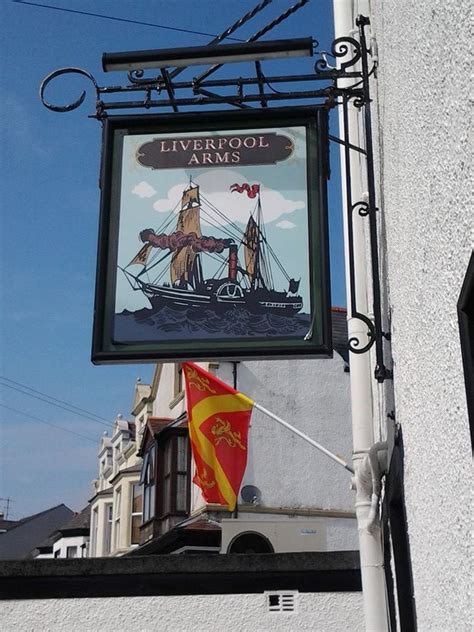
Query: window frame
x=116, y=519
x=108, y=519
x=148, y=480
x=169, y=443
x=178, y=384
x=465, y=308
x=94, y=531
x=134, y=514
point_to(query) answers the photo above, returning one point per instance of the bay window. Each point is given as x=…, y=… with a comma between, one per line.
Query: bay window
x=137, y=508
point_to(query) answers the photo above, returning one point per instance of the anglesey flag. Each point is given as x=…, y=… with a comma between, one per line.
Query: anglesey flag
x=218, y=422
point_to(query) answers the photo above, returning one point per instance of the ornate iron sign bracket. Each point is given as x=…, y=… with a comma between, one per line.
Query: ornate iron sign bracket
x=164, y=91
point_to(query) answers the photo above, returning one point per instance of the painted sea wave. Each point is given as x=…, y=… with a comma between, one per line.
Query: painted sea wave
x=169, y=324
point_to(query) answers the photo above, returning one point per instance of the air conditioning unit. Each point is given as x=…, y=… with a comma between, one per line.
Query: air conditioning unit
x=286, y=535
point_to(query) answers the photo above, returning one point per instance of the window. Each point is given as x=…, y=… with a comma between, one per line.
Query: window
x=116, y=457
x=71, y=551
x=108, y=529
x=140, y=428
x=174, y=465
x=118, y=501
x=57, y=553
x=94, y=531
x=398, y=571
x=106, y=461
x=166, y=476
x=466, y=332
x=137, y=507
x=178, y=379
x=148, y=482
x=182, y=469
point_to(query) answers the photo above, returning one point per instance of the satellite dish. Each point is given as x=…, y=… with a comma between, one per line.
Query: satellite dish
x=251, y=494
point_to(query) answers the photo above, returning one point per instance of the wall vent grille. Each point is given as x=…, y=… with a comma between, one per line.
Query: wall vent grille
x=282, y=601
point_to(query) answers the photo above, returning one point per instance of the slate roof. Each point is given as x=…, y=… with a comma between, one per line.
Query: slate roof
x=153, y=426
x=158, y=423
x=46, y=546
x=127, y=470
x=105, y=492
x=21, y=540
x=6, y=525
x=79, y=524
x=81, y=521
x=200, y=532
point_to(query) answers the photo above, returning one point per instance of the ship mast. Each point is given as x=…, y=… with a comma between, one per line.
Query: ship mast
x=254, y=250
x=257, y=274
x=184, y=267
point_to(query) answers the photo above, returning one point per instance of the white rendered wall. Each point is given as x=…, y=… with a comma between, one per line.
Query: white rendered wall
x=125, y=484
x=63, y=544
x=98, y=547
x=425, y=157
x=321, y=612
x=165, y=395
x=312, y=395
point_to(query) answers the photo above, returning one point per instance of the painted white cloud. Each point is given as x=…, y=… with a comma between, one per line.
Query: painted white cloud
x=215, y=187
x=144, y=190
x=285, y=224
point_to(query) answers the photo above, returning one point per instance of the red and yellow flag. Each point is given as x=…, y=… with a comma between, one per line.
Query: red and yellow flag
x=218, y=421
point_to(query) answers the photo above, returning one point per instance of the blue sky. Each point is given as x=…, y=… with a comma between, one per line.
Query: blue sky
x=49, y=224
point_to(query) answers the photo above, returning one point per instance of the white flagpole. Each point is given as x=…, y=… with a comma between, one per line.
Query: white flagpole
x=315, y=444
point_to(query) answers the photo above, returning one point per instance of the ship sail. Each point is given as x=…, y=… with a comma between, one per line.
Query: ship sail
x=142, y=256
x=250, y=242
x=189, y=221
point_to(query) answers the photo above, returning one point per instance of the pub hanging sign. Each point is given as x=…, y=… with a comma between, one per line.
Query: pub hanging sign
x=213, y=238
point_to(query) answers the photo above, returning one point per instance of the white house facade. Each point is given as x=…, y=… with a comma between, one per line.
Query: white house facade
x=293, y=498
x=116, y=505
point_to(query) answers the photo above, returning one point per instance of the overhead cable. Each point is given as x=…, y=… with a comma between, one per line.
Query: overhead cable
x=48, y=423
x=43, y=397
x=117, y=19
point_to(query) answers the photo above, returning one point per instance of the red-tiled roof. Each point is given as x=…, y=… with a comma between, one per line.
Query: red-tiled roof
x=201, y=525
x=155, y=424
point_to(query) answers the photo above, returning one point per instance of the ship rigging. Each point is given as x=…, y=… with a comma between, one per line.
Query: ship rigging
x=244, y=275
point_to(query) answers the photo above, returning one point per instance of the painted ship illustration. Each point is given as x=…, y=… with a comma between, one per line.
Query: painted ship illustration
x=244, y=277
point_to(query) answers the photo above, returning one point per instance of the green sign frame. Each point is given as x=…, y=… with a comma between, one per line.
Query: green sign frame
x=194, y=288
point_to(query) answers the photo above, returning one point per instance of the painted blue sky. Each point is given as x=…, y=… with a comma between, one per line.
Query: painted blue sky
x=49, y=222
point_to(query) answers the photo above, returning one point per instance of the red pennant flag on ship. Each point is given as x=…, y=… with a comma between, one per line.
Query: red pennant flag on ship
x=218, y=421
x=252, y=191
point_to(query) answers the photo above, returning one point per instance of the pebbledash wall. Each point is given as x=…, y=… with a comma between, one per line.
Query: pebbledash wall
x=423, y=115
x=313, y=612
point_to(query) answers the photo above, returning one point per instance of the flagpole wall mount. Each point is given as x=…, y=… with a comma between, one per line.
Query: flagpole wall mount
x=345, y=84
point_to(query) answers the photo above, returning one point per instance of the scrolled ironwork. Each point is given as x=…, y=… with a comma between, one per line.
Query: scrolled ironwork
x=355, y=341
x=75, y=104
x=136, y=78
x=358, y=102
x=362, y=208
x=341, y=47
